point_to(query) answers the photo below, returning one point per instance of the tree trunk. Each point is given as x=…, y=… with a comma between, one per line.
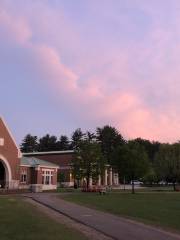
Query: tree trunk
x=133, y=190
x=88, y=181
x=124, y=183
x=78, y=183
x=174, y=186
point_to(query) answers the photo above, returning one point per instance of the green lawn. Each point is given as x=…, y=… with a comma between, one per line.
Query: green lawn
x=21, y=221
x=162, y=209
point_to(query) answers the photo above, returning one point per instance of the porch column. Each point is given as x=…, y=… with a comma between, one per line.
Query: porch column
x=105, y=177
x=99, y=180
x=110, y=177
x=116, y=178
x=90, y=182
x=70, y=177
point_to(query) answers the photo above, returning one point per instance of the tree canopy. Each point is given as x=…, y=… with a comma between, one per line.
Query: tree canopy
x=88, y=161
x=131, y=161
x=168, y=163
x=139, y=158
x=77, y=137
x=109, y=139
x=29, y=144
x=48, y=143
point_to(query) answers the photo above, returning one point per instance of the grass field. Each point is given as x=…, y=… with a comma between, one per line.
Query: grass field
x=19, y=221
x=162, y=209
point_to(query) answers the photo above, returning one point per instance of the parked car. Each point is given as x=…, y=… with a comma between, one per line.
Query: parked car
x=162, y=183
x=136, y=182
x=165, y=183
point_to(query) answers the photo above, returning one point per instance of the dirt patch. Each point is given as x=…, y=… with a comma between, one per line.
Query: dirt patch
x=90, y=233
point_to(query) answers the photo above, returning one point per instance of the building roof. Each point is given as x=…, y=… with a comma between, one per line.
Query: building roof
x=48, y=153
x=34, y=162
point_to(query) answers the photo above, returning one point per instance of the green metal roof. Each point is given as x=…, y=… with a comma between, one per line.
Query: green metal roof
x=33, y=162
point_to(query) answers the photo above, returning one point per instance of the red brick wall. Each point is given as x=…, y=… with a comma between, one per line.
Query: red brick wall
x=9, y=151
x=39, y=174
x=62, y=160
x=34, y=176
x=66, y=173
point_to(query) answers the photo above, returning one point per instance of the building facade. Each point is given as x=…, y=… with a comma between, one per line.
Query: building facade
x=61, y=158
x=64, y=159
x=18, y=172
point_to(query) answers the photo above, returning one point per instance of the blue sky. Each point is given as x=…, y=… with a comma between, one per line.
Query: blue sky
x=86, y=63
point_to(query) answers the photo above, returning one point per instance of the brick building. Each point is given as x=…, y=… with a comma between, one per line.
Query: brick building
x=62, y=159
x=17, y=171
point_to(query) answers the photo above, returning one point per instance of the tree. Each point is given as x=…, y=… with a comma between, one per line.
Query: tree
x=131, y=161
x=29, y=144
x=63, y=143
x=88, y=161
x=150, y=147
x=89, y=136
x=48, y=143
x=151, y=177
x=76, y=138
x=168, y=163
x=61, y=177
x=109, y=139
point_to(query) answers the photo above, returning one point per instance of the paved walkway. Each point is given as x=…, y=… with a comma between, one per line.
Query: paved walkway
x=113, y=226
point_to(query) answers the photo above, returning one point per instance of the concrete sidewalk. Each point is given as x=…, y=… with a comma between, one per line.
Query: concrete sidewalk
x=113, y=226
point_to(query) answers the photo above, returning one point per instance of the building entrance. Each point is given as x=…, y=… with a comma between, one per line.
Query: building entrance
x=2, y=176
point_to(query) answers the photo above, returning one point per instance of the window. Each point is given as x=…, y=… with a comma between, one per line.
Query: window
x=23, y=177
x=1, y=141
x=42, y=179
x=47, y=182
x=47, y=177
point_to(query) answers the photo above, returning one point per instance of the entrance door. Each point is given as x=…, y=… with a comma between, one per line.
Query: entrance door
x=2, y=176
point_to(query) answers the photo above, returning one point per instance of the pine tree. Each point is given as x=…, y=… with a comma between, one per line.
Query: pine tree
x=29, y=144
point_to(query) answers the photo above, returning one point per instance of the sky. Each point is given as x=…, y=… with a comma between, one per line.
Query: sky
x=66, y=64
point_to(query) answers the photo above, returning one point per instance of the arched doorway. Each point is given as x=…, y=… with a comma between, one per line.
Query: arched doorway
x=5, y=173
x=2, y=175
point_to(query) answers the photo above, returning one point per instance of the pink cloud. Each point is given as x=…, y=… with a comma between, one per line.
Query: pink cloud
x=58, y=75
x=14, y=27
x=48, y=61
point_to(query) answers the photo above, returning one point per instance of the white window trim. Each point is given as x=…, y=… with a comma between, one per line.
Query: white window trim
x=47, y=173
x=23, y=173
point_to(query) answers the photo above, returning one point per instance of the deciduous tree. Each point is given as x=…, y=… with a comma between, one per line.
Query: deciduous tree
x=168, y=163
x=88, y=161
x=131, y=161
